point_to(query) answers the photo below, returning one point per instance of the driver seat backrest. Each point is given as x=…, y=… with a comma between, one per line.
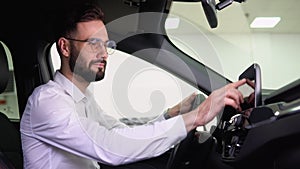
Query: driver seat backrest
x=10, y=138
x=45, y=65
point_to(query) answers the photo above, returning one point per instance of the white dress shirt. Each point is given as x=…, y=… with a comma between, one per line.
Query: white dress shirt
x=62, y=127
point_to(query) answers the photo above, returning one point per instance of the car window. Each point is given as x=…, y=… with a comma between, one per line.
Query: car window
x=8, y=99
x=233, y=46
x=133, y=87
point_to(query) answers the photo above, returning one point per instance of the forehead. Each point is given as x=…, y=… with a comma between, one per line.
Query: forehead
x=91, y=29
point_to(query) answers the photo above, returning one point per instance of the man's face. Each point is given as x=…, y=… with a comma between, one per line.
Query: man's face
x=86, y=60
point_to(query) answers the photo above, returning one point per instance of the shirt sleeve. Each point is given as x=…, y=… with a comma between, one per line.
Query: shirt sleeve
x=54, y=121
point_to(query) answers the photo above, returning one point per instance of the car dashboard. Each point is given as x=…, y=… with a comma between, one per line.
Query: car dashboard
x=264, y=136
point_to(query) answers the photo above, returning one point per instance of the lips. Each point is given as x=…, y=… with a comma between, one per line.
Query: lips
x=99, y=63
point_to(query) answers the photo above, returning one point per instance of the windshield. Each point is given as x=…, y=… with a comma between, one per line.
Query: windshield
x=233, y=45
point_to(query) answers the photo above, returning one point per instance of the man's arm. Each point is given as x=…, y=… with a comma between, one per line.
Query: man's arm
x=181, y=108
x=228, y=95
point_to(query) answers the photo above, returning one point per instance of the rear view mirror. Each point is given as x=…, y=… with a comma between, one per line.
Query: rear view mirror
x=209, y=7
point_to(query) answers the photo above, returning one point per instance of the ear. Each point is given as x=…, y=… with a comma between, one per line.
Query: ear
x=64, y=47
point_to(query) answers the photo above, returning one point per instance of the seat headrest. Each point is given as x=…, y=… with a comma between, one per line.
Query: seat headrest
x=4, y=70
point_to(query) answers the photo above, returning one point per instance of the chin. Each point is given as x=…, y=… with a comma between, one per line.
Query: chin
x=99, y=76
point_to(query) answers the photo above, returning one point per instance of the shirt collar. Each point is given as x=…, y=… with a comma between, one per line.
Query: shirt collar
x=69, y=87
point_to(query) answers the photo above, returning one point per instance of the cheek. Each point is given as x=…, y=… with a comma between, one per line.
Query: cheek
x=82, y=61
x=80, y=57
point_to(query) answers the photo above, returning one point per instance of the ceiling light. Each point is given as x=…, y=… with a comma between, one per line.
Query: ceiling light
x=172, y=23
x=265, y=22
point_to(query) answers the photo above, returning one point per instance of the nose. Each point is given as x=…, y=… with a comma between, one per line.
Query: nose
x=102, y=55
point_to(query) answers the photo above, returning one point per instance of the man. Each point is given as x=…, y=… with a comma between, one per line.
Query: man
x=63, y=127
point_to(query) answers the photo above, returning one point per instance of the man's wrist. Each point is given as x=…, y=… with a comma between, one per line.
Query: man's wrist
x=166, y=114
x=171, y=112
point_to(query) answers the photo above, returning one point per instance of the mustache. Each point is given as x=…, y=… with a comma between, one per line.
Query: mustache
x=101, y=60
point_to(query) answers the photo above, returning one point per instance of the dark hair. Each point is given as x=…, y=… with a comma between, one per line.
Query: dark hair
x=75, y=13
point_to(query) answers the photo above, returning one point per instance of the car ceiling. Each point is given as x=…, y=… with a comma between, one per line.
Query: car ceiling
x=237, y=17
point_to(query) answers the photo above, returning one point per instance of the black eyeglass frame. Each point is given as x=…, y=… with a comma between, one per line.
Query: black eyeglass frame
x=111, y=44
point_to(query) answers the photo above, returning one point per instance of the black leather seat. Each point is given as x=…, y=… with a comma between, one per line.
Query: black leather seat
x=45, y=64
x=10, y=139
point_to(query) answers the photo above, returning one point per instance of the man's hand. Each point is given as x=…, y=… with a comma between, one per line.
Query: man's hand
x=183, y=107
x=228, y=95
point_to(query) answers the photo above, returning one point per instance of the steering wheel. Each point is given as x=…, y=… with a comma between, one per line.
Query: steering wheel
x=178, y=153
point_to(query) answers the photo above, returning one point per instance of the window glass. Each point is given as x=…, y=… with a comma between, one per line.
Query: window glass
x=135, y=88
x=8, y=99
x=233, y=46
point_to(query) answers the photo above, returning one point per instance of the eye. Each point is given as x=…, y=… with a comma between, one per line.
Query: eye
x=94, y=41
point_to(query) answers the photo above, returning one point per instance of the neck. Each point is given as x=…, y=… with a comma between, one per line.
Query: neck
x=78, y=81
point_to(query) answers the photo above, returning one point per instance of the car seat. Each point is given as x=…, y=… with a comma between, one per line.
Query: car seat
x=45, y=65
x=10, y=139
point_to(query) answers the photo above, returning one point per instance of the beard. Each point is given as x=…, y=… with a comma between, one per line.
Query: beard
x=78, y=68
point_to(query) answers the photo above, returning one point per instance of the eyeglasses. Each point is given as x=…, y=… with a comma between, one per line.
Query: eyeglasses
x=97, y=44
